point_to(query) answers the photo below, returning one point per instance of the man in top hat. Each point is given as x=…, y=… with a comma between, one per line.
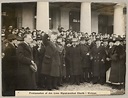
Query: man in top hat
x=98, y=57
x=9, y=67
x=26, y=65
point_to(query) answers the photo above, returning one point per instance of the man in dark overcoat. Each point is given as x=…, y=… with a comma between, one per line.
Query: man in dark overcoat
x=67, y=60
x=51, y=62
x=9, y=67
x=85, y=54
x=38, y=54
x=75, y=62
x=26, y=66
x=98, y=58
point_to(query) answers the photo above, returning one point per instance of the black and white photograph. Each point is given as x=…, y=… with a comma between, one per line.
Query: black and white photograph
x=49, y=46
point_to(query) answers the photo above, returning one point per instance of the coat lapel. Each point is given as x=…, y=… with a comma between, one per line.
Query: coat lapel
x=26, y=47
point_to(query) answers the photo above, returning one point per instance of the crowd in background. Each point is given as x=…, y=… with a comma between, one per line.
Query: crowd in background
x=46, y=60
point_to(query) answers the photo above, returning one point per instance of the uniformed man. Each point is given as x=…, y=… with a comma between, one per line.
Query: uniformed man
x=98, y=58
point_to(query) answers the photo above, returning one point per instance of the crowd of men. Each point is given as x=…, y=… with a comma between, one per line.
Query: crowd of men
x=35, y=59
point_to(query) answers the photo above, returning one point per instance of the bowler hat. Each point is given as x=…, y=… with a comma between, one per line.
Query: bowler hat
x=11, y=37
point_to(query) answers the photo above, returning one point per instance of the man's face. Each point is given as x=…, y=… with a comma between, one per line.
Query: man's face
x=105, y=43
x=98, y=43
x=39, y=42
x=82, y=41
x=117, y=43
x=111, y=43
x=53, y=37
x=15, y=42
x=28, y=38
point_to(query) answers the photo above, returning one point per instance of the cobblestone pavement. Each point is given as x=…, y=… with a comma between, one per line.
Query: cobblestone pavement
x=89, y=87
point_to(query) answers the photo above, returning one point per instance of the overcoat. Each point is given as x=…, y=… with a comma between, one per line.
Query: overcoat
x=84, y=49
x=26, y=77
x=118, y=57
x=9, y=67
x=75, y=60
x=38, y=59
x=67, y=60
x=98, y=66
x=51, y=61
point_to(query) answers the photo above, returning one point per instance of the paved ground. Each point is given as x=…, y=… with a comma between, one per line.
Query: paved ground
x=89, y=87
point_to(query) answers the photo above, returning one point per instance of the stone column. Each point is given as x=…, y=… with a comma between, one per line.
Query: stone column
x=119, y=24
x=28, y=16
x=85, y=18
x=56, y=18
x=65, y=18
x=42, y=18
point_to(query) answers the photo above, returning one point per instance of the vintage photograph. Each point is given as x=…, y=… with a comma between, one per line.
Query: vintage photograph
x=63, y=46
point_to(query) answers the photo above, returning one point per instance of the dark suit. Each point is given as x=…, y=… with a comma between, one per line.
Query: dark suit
x=9, y=67
x=26, y=77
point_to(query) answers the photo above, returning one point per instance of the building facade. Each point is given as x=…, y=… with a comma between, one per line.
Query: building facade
x=78, y=16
